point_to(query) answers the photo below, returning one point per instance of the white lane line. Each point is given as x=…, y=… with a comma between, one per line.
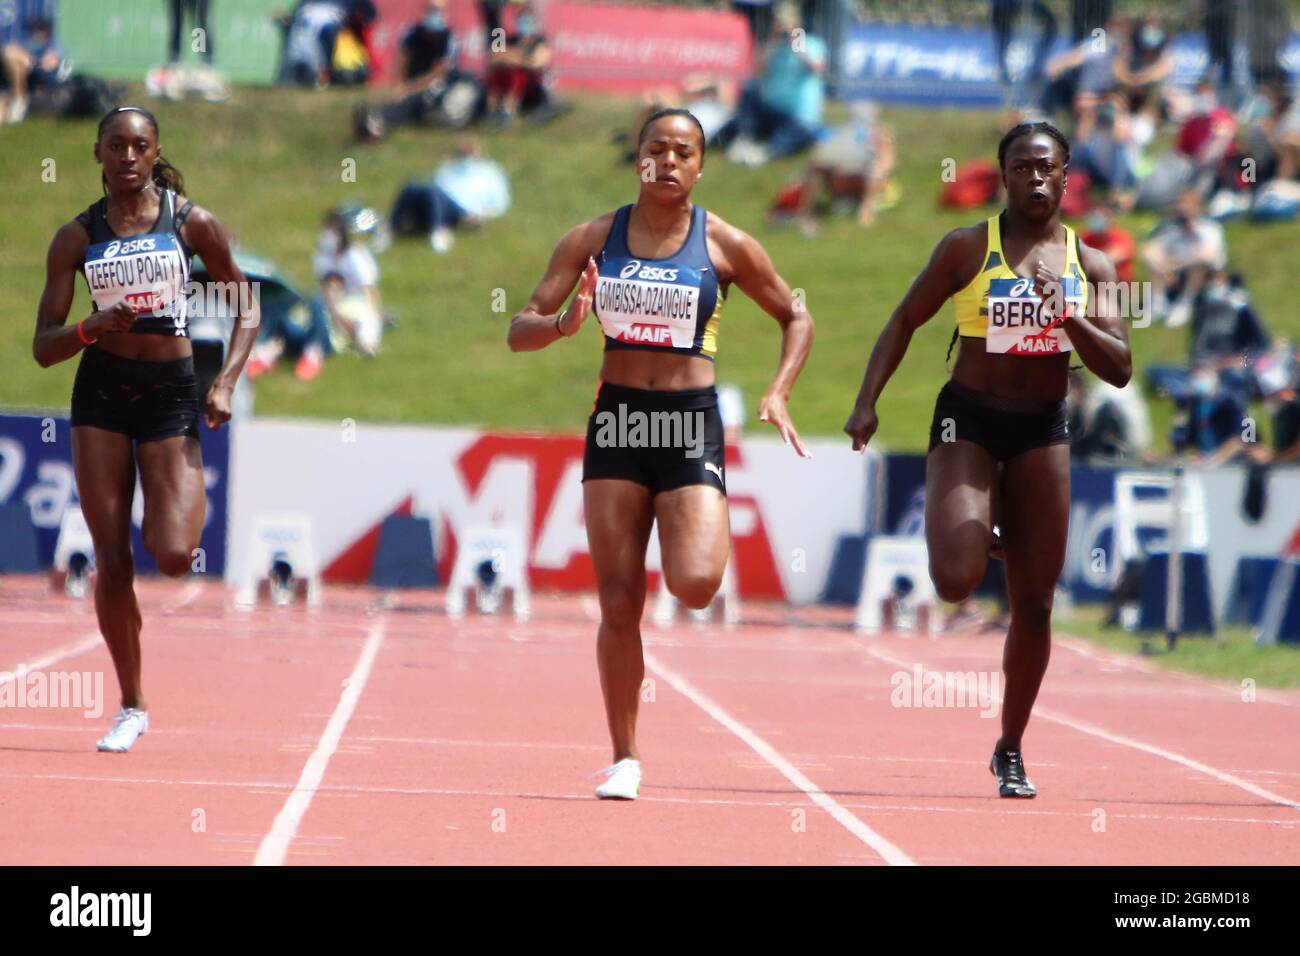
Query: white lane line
x=890, y=853
x=71, y=649
x=1066, y=721
x=275, y=845
x=1289, y=823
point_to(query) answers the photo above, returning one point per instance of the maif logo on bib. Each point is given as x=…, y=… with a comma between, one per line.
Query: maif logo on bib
x=1017, y=322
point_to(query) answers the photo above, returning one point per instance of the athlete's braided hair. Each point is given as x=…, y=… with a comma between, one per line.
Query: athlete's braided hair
x=1029, y=129
x=673, y=111
x=163, y=174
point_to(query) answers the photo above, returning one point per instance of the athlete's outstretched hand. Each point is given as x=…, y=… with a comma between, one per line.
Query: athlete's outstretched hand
x=217, y=405
x=861, y=426
x=772, y=409
x=572, y=318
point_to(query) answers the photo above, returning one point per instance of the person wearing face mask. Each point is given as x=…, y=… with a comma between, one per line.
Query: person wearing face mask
x=1143, y=66
x=515, y=77
x=1224, y=324
x=1217, y=408
x=428, y=69
x=1107, y=235
x=1180, y=254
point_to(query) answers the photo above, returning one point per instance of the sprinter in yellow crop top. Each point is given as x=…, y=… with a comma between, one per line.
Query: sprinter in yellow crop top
x=998, y=440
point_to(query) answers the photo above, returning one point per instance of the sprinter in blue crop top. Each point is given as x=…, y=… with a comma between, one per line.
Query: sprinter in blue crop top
x=135, y=400
x=655, y=275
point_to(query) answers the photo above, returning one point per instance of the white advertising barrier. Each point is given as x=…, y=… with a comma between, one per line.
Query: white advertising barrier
x=787, y=513
x=1232, y=535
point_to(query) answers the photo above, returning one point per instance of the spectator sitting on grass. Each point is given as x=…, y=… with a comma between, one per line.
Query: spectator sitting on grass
x=1224, y=324
x=1214, y=431
x=350, y=62
x=33, y=64
x=335, y=321
x=516, y=75
x=1180, y=255
x=308, y=42
x=780, y=111
x=1103, y=232
x=853, y=168
x=465, y=191
x=351, y=313
x=428, y=55
x=1081, y=77
x=1111, y=153
x=1279, y=383
x=710, y=99
x=1143, y=65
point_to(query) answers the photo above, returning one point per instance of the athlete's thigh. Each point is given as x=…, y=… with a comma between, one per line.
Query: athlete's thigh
x=105, y=471
x=694, y=530
x=1035, y=519
x=619, y=516
x=961, y=478
x=171, y=476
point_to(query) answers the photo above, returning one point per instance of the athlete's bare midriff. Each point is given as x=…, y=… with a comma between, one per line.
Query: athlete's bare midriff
x=145, y=347
x=670, y=372
x=1030, y=378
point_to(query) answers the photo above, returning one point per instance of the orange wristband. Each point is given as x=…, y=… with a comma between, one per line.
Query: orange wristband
x=82, y=335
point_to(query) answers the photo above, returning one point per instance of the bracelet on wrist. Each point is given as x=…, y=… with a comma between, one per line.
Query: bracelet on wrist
x=81, y=334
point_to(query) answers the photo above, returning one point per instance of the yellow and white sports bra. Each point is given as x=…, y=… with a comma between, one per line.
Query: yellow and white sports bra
x=1002, y=308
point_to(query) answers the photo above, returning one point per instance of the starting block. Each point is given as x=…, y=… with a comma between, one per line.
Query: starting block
x=74, y=538
x=728, y=596
x=490, y=561
x=74, y=554
x=280, y=537
x=896, y=584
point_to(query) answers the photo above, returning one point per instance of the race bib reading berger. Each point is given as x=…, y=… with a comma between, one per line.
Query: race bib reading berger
x=1017, y=322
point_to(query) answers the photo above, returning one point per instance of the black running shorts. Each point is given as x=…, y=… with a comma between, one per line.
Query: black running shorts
x=962, y=414
x=146, y=401
x=662, y=440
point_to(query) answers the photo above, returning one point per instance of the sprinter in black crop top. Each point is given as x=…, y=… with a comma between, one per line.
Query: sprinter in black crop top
x=135, y=400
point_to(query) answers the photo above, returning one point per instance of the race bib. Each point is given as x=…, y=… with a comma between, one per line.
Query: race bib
x=146, y=272
x=649, y=304
x=1017, y=322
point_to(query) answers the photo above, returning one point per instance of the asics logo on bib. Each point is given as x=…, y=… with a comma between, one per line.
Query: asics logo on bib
x=117, y=247
x=634, y=268
x=1020, y=288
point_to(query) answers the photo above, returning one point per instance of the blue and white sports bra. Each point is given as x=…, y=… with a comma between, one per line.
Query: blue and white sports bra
x=670, y=305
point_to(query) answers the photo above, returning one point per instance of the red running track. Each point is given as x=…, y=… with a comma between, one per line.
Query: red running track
x=378, y=731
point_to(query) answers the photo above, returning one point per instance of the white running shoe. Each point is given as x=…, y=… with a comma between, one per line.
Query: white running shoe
x=128, y=724
x=624, y=780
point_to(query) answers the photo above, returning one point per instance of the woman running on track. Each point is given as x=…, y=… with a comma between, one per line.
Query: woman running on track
x=135, y=399
x=998, y=440
x=655, y=274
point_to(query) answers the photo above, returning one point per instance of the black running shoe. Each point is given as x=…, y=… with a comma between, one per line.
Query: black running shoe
x=1009, y=767
x=995, y=545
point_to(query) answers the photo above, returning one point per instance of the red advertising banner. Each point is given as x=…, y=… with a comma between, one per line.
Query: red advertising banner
x=616, y=49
